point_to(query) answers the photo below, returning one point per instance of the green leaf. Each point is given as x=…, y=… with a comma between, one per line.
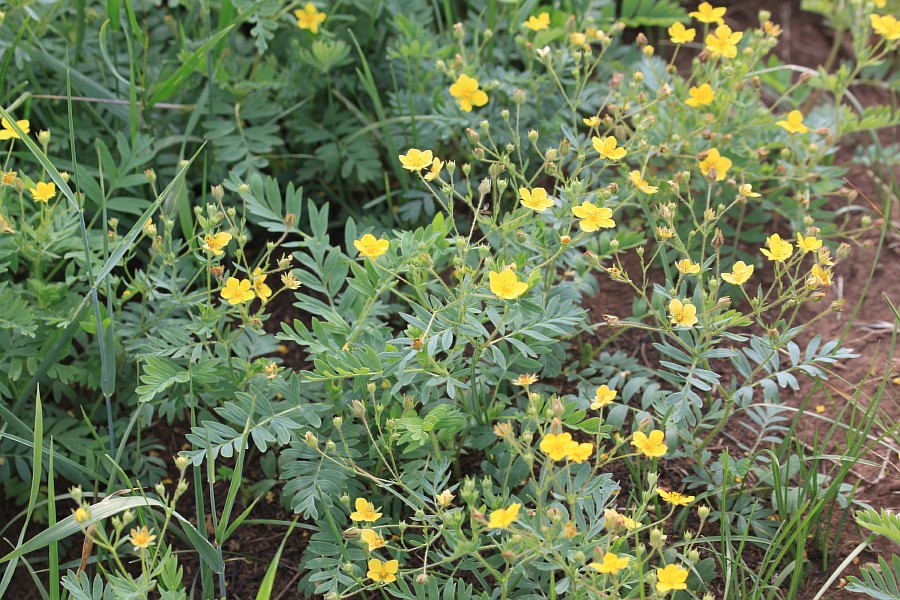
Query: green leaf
x=265, y=588
x=651, y=13
x=109, y=506
x=168, y=87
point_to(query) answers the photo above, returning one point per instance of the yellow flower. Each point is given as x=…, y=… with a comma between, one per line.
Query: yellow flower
x=504, y=517
x=611, y=564
x=9, y=177
x=43, y=192
x=608, y=148
x=271, y=370
x=880, y=3
x=237, y=291
x=679, y=35
x=716, y=161
x=740, y=273
x=705, y=13
x=416, y=160
x=886, y=26
x=9, y=133
x=372, y=539
x=370, y=246
x=383, y=571
x=724, y=42
x=259, y=284
x=577, y=38
x=536, y=199
x=675, y=498
x=556, y=446
x=593, y=217
x=700, y=96
x=309, y=18
x=569, y=530
x=772, y=29
x=592, y=121
x=603, y=396
x=641, y=184
x=671, y=578
x=683, y=314
x=141, y=538
x=289, y=281
x=536, y=23
x=820, y=276
x=808, y=244
x=435, y=172
x=687, y=267
x=794, y=123
x=746, y=190
x=216, y=243
x=81, y=515
x=578, y=453
x=506, y=285
x=466, y=92
x=820, y=408
x=652, y=446
x=779, y=250
x=365, y=511
x=525, y=379
x=665, y=233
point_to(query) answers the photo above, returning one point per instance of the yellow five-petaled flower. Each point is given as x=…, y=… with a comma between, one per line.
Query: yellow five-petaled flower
x=641, y=184
x=779, y=250
x=43, y=192
x=365, y=511
x=309, y=17
x=502, y=518
x=608, y=148
x=467, y=93
x=716, y=161
x=740, y=273
x=808, y=244
x=556, y=445
x=706, y=13
x=385, y=572
x=680, y=35
x=216, y=243
x=671, y=578
x=536, y=23
x=683, y=314
x=371, y=538
x=603, y=396
x=370, y=246
x=723, y=42
x=141, y=538
x=593, y=217
x=237, y=291
x=611, y=564
x=416, y=160
x=7, y=132
x=259, y=284
x=652, y=446
x=535, y=199
x=506, y=284
x=675, y=498
x=700, y=96
x=886, y=26
x=793, y=123
x=687, y=267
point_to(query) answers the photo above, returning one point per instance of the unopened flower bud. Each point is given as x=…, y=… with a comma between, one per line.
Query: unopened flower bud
x=641, y=40
x=533, y=135
x=311, y=440
x=217, y=192
x=519, y=96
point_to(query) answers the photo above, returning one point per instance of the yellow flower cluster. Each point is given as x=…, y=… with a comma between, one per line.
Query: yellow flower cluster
x=561, y=446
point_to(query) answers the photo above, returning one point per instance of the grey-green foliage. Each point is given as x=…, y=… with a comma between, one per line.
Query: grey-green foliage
x=879, y=580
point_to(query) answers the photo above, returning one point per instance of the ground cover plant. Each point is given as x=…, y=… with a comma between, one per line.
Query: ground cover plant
x=449, y=300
